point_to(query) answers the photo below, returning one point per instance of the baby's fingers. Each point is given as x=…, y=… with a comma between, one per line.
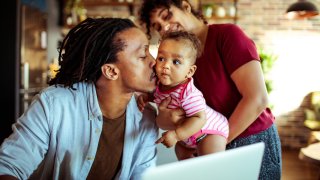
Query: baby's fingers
x=160, y=140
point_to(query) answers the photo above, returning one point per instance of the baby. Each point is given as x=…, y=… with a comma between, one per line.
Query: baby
x=203, y=131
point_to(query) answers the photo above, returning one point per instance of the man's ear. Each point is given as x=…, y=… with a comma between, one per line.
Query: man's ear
x=191, y=72
x=110, y=71
x=186, y=6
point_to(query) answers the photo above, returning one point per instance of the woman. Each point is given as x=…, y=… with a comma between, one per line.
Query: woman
x=229, y=75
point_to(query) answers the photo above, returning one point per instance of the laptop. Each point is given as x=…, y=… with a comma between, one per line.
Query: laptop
x=234, y=164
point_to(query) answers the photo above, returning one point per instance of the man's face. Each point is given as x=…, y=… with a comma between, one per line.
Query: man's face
x=135, y=62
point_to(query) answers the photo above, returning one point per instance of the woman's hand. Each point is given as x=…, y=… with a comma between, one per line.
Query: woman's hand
x=169, y=119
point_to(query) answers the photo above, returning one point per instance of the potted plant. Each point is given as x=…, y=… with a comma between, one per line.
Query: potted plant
x=267, y=62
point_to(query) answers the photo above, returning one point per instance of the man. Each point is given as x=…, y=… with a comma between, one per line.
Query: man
x=86, y=125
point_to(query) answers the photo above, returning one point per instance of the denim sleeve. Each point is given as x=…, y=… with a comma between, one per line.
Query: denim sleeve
x=24, y=149
x=147, y=150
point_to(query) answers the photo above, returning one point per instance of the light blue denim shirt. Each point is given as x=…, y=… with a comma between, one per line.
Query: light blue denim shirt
x=57, y=137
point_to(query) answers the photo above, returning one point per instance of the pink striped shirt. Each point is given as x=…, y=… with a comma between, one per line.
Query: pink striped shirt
x=189, y=98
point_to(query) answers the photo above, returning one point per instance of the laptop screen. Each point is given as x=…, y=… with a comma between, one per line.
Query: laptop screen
x=244, y=163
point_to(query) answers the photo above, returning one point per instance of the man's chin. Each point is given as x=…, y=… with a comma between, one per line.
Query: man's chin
x=150, y=89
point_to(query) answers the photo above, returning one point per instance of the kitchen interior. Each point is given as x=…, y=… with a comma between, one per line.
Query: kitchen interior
x=288, y=44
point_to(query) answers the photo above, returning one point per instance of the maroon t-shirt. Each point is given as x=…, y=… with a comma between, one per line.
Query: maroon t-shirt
x=227, y=48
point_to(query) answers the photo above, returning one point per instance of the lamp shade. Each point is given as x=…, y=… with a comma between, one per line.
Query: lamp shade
x=302, y=9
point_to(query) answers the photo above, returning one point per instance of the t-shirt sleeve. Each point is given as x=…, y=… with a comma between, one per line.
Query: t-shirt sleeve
x=236, y=48
x=193, y=101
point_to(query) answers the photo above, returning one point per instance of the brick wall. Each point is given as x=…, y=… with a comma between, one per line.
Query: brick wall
x=259, y=19
x=258, y=16
x=293, y=133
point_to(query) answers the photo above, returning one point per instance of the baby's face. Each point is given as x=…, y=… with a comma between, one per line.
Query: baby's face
x=174, y=63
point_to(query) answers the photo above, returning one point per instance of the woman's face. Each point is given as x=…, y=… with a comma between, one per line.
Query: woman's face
x=172, y=19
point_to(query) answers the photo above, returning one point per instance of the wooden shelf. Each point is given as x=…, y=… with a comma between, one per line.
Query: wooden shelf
x=214, y=8
x=217, y=1
x=103, y=3
x=222, y=18
x=97, y=8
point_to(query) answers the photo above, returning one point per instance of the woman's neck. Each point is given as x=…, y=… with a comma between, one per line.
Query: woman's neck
x=202, y=33
x=200, y=29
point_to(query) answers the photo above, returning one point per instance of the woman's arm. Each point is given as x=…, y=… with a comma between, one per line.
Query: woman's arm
x=250, y=83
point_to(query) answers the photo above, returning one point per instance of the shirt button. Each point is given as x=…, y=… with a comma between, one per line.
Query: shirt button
x=91, y=117
x=90, y=158
x=97, y=130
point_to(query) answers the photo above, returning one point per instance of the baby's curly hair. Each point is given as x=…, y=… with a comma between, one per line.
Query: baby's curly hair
x=186, y=36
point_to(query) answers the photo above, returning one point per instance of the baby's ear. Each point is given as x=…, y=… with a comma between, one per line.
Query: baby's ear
x=110, y=71
x=191, y=72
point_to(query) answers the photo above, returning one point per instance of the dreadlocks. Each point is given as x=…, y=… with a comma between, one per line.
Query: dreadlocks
x=87, y=47
x=149, y=5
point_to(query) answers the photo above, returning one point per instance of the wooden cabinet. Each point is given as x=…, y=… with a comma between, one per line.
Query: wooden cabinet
x=215, y=11
x=111, y=8
x=33, y=54
x=75, y=11
x=219, y=11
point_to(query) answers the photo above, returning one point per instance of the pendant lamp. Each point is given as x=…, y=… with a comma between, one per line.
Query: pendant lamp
x=301, y=10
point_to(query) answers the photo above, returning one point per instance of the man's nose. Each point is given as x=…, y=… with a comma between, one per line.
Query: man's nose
x=152, y=61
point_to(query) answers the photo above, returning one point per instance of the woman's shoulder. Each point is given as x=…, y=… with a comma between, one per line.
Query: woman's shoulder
x=227, y=33
x=225, y=28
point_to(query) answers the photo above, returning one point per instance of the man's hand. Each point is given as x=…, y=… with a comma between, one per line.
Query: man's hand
x=169, y=119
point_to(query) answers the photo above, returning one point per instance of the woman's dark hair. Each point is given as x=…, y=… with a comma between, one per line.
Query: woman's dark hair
x=87, y=47
x=184, y=35
x=148, y=6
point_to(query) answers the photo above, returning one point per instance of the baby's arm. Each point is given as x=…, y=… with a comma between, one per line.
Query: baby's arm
x=188, y=127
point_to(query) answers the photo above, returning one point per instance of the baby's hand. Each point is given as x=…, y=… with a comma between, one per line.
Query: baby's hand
x=142, y=101
x=168, y=138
